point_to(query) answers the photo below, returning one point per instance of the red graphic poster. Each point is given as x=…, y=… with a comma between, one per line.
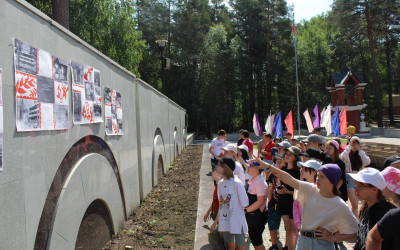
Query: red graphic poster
x=113, y=112
x=41, y=89
x=86, y=91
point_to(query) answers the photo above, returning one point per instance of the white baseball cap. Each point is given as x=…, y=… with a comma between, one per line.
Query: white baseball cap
x=244, y=147
x=371, y=176
x=309, y=164
x=230, y=147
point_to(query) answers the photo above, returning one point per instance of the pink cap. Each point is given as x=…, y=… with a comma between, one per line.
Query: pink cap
x=334, y=143
x=392, y=178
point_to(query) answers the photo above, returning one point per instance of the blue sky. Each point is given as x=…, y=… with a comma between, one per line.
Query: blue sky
x=305, y=9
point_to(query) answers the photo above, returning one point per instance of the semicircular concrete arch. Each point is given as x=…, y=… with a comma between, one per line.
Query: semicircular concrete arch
x=175, y=145
x=79, y=179
x=158, y=157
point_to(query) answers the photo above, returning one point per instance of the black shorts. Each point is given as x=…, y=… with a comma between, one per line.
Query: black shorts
x=285, y=205
x=256, y=223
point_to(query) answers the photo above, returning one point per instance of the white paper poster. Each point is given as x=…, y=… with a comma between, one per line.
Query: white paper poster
x=113, y=112
x=86, y=90
x=1, y=123
x=41, y=89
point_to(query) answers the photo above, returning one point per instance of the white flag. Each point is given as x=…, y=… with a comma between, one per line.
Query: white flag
x=327, y=120
x=269, y=124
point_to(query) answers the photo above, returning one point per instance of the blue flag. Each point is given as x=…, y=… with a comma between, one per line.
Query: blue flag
x=278, y=125
x=336, y=122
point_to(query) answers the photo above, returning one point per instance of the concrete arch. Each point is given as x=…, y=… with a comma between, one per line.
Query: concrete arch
x=89, y=159
x=158, y=157
x=175, y=145
x=184, y=138
x=96, y=227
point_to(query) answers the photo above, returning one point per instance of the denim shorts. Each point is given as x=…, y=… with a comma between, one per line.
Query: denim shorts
x=238, y=238
x=274, y=219
x=350, y=183
x=307, y=243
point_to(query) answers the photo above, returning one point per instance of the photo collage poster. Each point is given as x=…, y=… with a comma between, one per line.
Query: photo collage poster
x=41, y=89
x=113, y=112
x=1, y=123
x=86, y=94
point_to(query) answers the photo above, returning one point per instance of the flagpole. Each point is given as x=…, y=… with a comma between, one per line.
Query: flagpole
x=297, y=80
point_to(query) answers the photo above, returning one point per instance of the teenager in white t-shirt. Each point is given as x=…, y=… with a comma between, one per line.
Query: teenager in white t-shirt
x=326, y=218
x=231, y=151
x=232, y=201
x=216, y=146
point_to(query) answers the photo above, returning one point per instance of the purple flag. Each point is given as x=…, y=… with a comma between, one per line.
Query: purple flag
x=256, y=126
x=316, y=119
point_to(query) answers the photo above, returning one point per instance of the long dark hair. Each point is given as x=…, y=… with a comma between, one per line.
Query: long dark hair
x=245, y=155
x=335, y=190
x=335, y=158
x=355, y=160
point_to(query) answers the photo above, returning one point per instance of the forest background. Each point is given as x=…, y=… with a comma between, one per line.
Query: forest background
x=229, y=62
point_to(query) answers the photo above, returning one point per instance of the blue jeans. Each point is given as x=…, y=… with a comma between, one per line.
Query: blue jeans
x=307, y=243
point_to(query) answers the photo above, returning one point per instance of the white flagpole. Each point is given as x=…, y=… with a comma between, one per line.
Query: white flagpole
x=297, y=79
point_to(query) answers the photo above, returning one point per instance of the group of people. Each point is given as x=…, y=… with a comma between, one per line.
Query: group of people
x=306, y=184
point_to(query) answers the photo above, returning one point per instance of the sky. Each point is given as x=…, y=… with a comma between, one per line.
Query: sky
x=305, y=9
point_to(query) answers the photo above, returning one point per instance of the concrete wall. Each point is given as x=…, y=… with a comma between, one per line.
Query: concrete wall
x=51, y=177
x=385, y=132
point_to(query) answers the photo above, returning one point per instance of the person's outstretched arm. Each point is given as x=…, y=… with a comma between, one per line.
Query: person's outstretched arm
x=374, y=239
x=282, y=175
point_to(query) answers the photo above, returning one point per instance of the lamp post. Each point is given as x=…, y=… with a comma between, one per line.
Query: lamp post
x=161, y=46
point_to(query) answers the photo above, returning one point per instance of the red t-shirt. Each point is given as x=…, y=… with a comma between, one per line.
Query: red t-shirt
x=268, y=148
x=249, y=144
x=215, y=200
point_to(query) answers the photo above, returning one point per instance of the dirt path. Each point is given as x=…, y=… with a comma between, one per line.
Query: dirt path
x=167, y=217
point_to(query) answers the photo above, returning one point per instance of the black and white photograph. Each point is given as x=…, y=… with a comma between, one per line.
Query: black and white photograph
x=109, y=130
x=119, y=121
x=28, y=115
x=25, y=57
x=97, y=90
x=96, y=111
x=77, y=107
x=118, y=99
x=60, y=69
x=113, y=111
x=77, y=73
x=89, y=91
x=61, y=116
x=45, y=89
x=107, y=95
x=97, y=78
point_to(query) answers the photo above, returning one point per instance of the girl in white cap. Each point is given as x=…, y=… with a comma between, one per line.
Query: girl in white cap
x=326, y=217
x=369, y=186
x=308, y=172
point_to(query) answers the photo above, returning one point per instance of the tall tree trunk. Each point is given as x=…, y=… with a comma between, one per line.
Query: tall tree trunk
x=61, y=12
x=389, y=81
x=378, y=102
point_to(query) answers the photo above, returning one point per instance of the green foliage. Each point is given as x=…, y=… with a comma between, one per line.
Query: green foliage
x=109, y=26
x=229, y=63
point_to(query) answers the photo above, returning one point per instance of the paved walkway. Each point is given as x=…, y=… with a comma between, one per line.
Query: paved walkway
x=205, y=240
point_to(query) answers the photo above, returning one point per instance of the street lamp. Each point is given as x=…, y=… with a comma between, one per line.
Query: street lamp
x=161, y=46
